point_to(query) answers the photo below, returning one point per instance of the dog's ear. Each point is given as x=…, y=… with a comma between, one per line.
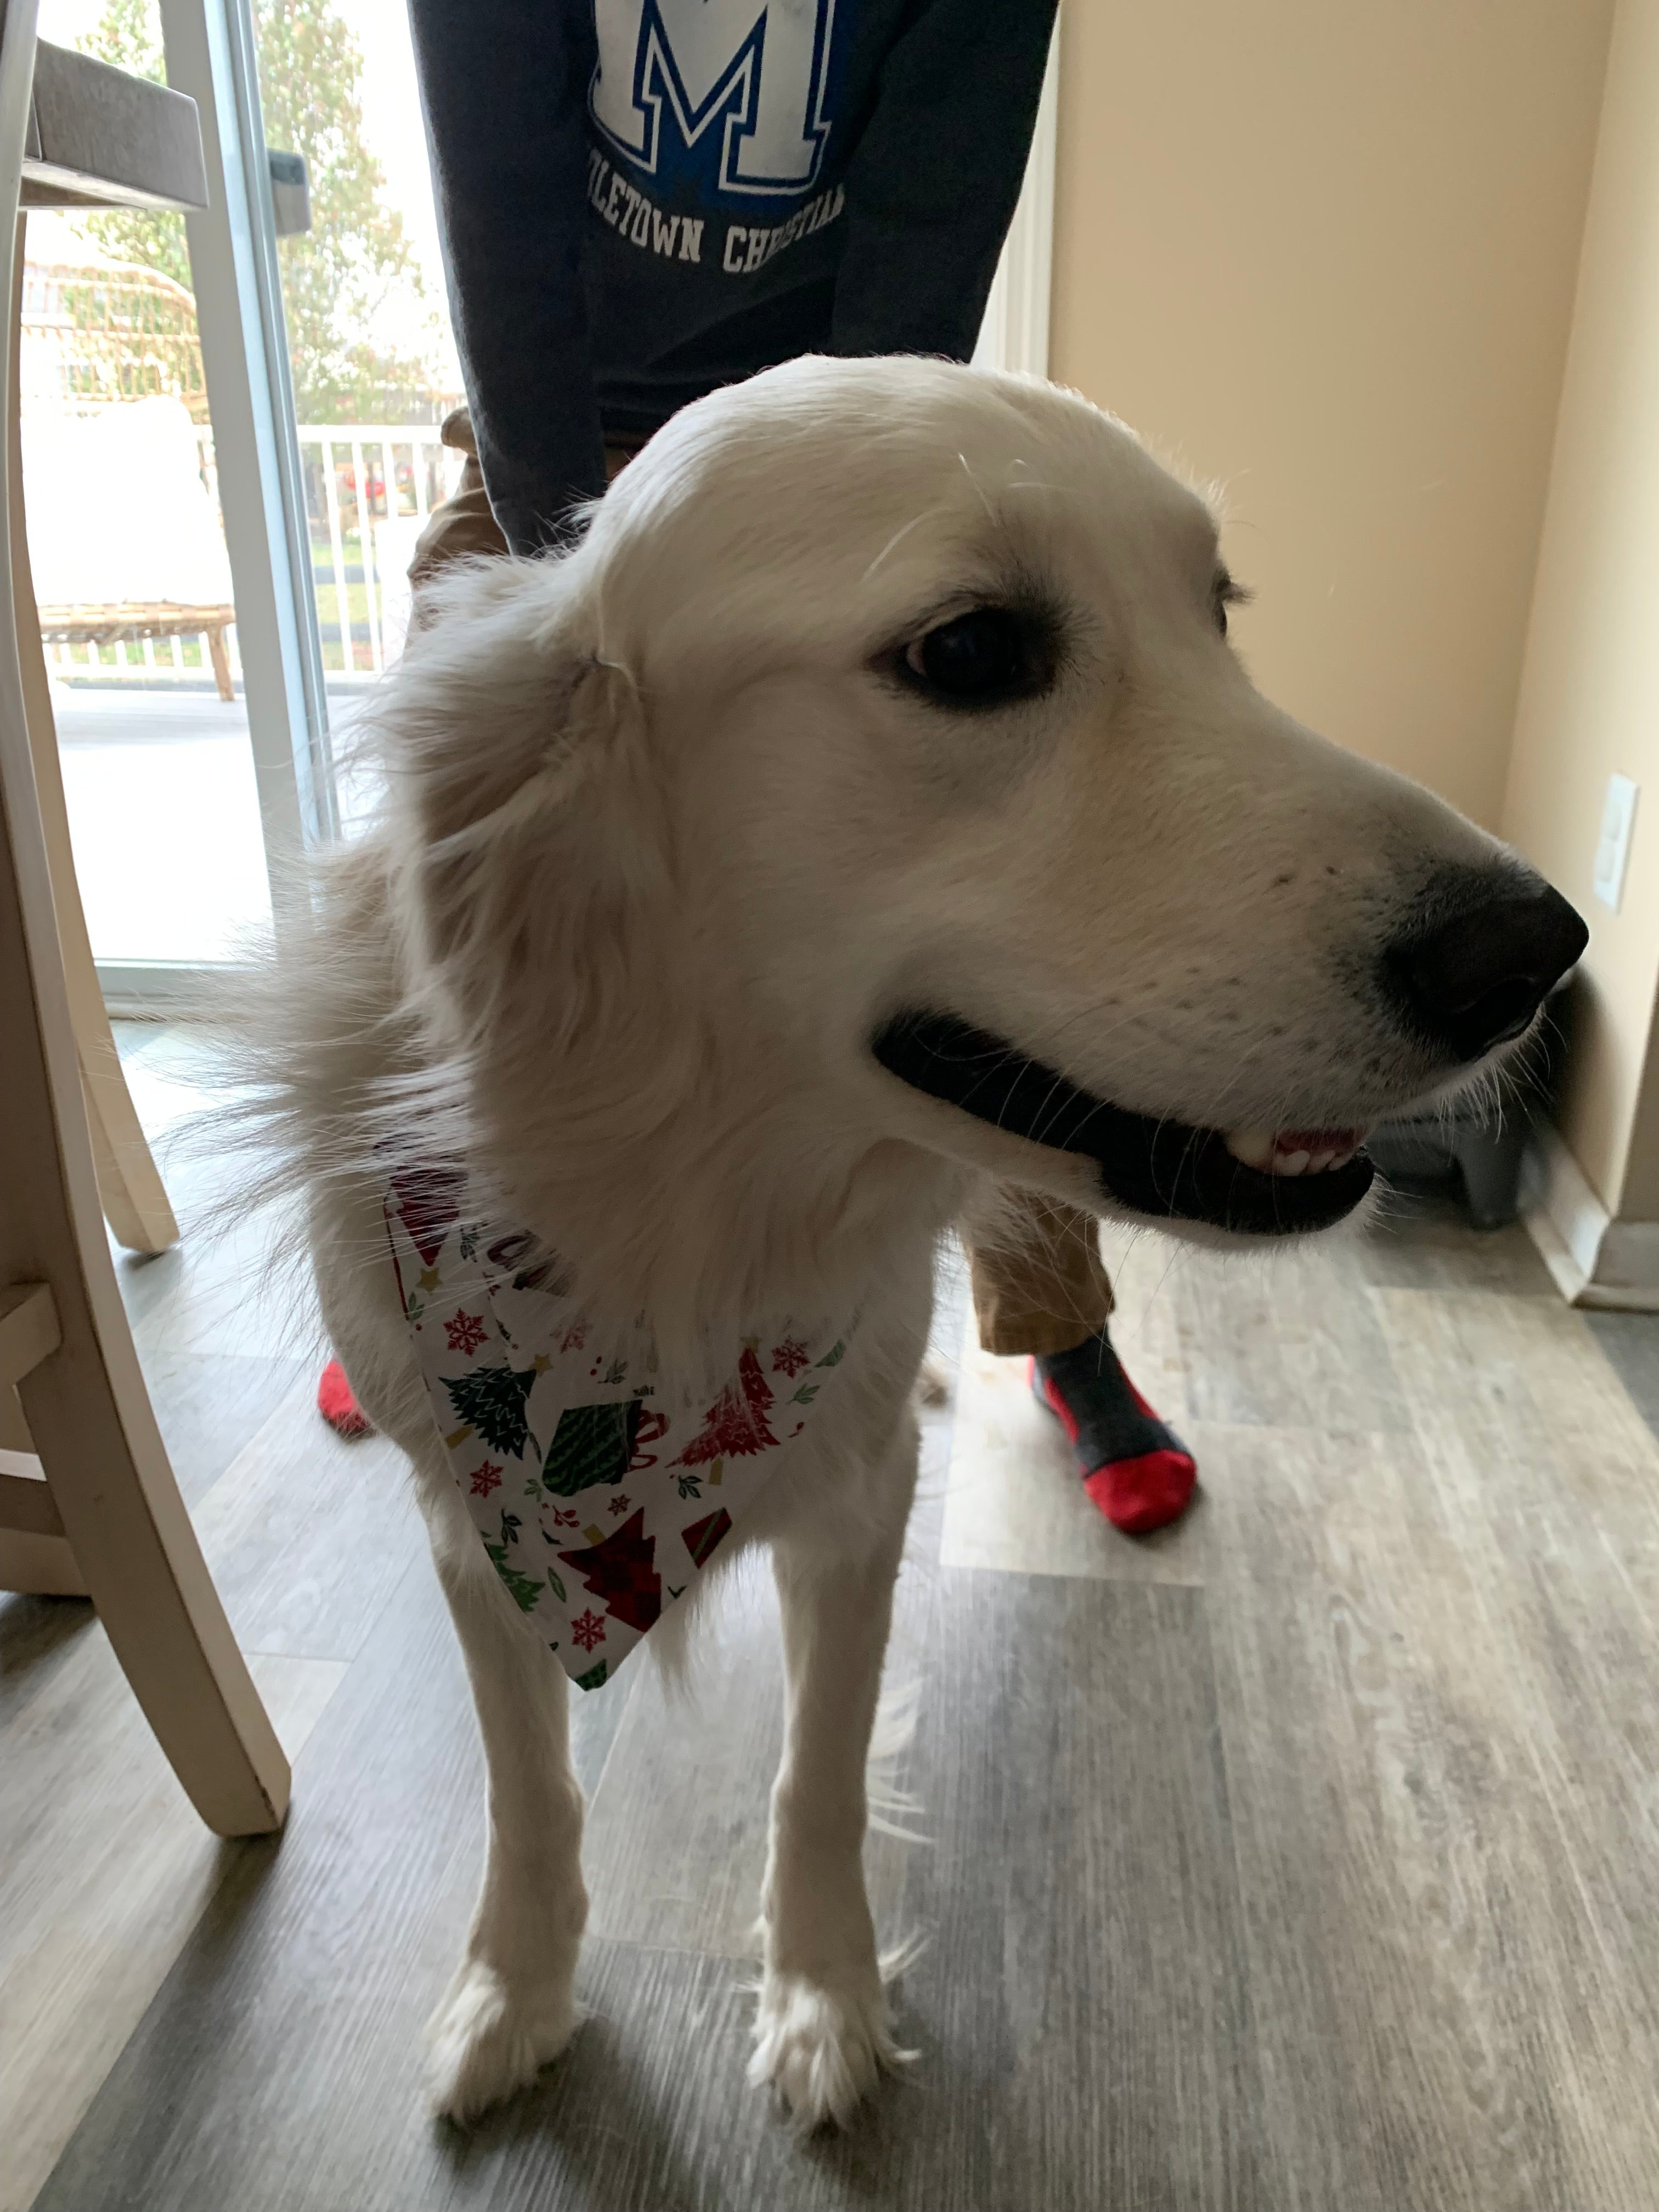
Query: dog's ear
x=494, y=692
x=525, y=817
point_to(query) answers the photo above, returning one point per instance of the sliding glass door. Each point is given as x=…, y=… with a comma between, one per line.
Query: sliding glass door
x=231, y=440
x=131, y=570
x=371, y=364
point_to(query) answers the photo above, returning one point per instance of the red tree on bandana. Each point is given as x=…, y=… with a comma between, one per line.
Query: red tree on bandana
x=428, y=1198
x=621, y=1573
x=735, y=1425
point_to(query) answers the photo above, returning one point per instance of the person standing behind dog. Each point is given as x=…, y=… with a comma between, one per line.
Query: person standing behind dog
x=641, y=200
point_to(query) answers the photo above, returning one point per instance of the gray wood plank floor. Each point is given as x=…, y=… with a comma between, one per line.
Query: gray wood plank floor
x=1308, y=1858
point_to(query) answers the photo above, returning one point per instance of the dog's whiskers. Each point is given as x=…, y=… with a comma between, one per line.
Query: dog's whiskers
x=979, y=488
x=897, y=539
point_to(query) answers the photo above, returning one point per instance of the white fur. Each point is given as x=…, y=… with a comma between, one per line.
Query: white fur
x=662, y=844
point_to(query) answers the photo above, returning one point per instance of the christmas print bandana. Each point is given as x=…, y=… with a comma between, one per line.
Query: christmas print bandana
x=599, y=1492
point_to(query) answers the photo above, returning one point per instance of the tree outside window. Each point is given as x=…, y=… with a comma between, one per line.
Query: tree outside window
x=339, y=276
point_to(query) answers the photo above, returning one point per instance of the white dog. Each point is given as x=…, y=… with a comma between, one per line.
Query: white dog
x=871, y=811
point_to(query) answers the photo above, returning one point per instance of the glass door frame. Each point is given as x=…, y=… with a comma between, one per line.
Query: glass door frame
x=209, y=48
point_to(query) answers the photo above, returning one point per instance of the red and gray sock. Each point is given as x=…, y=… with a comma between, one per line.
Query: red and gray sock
x=336, y=1402
x=1133, y=1466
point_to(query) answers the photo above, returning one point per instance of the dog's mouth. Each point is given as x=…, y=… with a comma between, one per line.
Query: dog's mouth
x=1257, y=1182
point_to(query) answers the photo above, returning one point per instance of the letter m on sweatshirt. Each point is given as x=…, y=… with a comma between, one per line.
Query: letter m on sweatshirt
x=745, y=78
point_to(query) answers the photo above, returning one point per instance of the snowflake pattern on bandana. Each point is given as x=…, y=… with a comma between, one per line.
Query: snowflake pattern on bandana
x=599, y=1494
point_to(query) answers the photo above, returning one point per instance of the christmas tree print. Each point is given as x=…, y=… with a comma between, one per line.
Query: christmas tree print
x=428, y=1201
x=756, y=1391
x=702, y=1536
x=510, y=1383
x=591, y=1444
x=520, y=1586
x=621, y=1572
x=491, y=1400
x=735, y=1425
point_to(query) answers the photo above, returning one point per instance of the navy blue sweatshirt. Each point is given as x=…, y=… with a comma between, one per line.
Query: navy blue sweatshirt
x=643, y=199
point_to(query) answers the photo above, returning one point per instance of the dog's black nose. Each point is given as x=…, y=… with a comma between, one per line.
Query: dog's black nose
x=1476, y=980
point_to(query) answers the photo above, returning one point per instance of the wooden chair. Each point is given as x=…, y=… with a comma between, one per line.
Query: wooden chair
x=93, y=1508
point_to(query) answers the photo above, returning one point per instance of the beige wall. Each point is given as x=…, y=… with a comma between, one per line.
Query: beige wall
x=1324, y=251
x=1589, y=700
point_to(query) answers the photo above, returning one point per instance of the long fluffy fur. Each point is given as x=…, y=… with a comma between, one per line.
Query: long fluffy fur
x=662, y=836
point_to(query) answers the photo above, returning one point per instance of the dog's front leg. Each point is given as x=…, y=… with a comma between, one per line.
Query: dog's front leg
x=511, y=2006
x=824, y=2031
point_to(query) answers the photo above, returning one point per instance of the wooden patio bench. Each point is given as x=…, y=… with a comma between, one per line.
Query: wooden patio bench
x=111, y=625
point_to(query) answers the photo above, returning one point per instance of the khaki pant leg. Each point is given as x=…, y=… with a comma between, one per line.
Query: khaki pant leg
x=1047, y=1290
x=466, y=525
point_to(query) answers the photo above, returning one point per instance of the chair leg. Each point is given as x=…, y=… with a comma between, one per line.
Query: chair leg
x=34, y=1552
x=1491, y=1164
x=130, y=1186
x=112, y=1490
x=115, y=1502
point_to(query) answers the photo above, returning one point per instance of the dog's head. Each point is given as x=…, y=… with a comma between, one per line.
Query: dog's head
x=878, y=769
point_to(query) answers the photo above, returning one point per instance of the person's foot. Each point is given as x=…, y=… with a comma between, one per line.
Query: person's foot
x=336, y=1402
x=1133, y=1466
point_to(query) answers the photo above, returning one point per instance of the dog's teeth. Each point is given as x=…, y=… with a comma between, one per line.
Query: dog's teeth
x=1276, y=1152
x=1254, y=1147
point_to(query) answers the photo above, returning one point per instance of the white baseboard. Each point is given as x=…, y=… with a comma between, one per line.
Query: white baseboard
x=1595, y=1260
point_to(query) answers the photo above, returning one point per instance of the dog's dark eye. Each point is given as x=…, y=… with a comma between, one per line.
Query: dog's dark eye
x=1224, y=593
x=988, y=655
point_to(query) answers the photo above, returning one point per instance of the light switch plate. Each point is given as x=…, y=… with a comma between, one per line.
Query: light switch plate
x=1613, y=846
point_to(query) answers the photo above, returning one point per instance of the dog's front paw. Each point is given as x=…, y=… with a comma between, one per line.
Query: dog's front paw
x=491, y=2035
x=822, y=2047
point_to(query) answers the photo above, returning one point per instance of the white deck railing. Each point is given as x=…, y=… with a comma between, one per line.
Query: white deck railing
x=368, y=489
